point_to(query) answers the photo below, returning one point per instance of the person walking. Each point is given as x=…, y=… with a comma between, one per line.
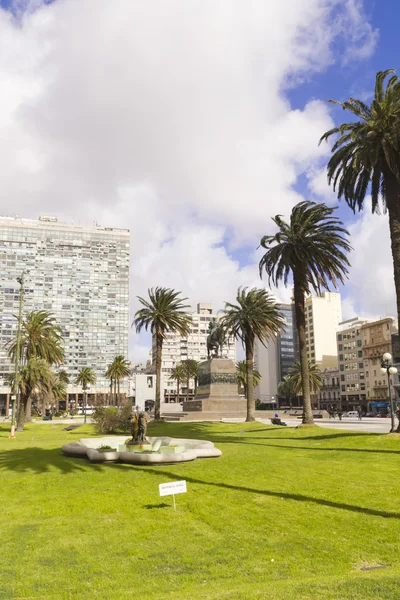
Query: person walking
x=359, y=412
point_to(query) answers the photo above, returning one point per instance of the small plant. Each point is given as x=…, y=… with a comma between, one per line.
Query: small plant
x=105, y=448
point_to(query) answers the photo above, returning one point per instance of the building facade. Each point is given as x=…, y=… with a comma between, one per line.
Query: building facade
x=81, y=275
x=323, y=315
x=286, y=341
x=142, y=390
x=376, y=340
x=329, y=394
x=177, y=349
x=351, y=364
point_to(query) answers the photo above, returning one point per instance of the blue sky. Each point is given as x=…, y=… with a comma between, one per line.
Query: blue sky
x=192, y=123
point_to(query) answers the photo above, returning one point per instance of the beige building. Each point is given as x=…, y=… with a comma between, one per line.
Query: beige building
x=351, y=364
x=329, y=394
x=177, y=349
x=323, y=315
x=266, y=361
x=376, y=340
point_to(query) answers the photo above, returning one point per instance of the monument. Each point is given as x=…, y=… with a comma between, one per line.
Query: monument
x=217, y=392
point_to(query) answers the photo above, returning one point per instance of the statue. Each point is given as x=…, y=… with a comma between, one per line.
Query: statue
x=138, y=429
x=215, y=339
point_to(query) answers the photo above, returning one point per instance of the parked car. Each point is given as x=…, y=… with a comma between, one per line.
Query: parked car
x=352, y=414
x=371, y=414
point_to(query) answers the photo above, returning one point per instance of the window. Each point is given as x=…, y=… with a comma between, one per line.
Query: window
x=359, y=343
x=375, y=372
x=360, y=354
x=342, y=367
x=342, y=378
x=340, y=347
x=339, y=337
x=360, y=365
x=341, y=357
x=343, y=388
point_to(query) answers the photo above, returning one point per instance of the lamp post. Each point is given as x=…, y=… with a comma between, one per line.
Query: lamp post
x=15, y=387
x=86, y=388
x=387, y=367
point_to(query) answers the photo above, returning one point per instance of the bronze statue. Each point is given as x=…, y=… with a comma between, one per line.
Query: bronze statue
x=138, y=428
x=216, y=339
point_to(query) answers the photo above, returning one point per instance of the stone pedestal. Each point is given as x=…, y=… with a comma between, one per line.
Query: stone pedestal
x=217, y=390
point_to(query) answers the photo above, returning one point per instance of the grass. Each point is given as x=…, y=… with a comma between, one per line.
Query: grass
x=283, y=514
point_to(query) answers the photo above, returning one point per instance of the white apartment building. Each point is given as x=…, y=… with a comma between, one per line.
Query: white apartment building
x=142, y=389
x=177, y=349
x=266, y=361
x=351, y=363
x=323, y=315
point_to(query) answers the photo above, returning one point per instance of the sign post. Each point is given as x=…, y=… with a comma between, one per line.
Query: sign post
x=172, y=488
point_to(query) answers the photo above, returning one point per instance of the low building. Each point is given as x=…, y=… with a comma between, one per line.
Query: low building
x=142, y=390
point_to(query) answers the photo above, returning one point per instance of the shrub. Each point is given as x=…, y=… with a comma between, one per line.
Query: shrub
x=111, y=419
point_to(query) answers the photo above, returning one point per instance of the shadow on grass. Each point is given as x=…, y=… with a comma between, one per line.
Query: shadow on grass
x=39, y=460
x=152, y=506
x=296, y=497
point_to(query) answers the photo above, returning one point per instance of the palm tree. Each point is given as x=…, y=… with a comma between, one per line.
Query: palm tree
x=164, y=311
x=34, y=377
x=191, y=371
x=312, y=247
x=109, y=375
x=365, y=159
x=285, y=389
x=40, y=338
x=86, y=376
x=255, y=316
x=296, y=378
x=241, y=375
x=178, y=375
x=117, y=370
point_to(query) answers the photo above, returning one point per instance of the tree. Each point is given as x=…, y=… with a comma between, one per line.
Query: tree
x=164, y=311
x=365, y=159
x=241, y=375
x=191, y=371
x=312, y=247
x=86, y=376
x=296, y=378
x=40, y=338
x=285, y=389
x=255, y=316
x=178, y=375
x=34, y=377
x=119, y=369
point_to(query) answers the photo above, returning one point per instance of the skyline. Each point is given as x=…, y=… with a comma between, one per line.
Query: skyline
x=210, y=130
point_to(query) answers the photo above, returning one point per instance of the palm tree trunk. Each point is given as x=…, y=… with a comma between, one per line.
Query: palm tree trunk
x=393, y=199
x=187, y=389
x=21, y=414
x=177, y=391
x=250, y=387
x=118, y=400
x=157, y=406
x=195, y=386
x=28, y=410
x=110, y=394
x=299, y=304
x=115, y=392
x=245, y=388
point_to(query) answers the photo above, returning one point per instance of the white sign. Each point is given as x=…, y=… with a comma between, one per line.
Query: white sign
x=172, y=488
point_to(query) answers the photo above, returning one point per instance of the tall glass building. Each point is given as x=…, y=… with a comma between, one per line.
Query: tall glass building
x=287, y=346
x=81, y=275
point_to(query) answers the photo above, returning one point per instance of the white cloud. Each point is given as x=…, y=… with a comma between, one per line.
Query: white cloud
x=169, y=118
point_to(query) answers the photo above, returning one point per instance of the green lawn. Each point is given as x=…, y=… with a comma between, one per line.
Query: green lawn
x=283, y=514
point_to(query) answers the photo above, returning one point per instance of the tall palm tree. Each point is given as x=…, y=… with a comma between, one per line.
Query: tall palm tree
x=255, y=316
x=86, y=376
x=178, y=375
x=109, y=375
x=119, y=369
x=241, y=375
x=296, y=378
x=365, y=159
x=312, y=247
x=191, y=371
x=40, y=338
x=34, y=377
x=164, y=311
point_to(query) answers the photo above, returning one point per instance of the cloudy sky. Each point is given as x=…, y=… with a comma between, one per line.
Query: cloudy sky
x=191, y=122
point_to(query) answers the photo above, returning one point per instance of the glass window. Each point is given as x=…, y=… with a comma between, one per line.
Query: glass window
x=358, y=343
x=339, y=337
x=340, y=356
x=340, y=347
x=360, y=354
x=342, y=378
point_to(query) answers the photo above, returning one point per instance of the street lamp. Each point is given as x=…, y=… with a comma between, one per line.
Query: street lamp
x=86, y=388
x=387, y=367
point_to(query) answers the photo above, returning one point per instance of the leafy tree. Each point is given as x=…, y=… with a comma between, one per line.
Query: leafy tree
x=119, y=369
x=241, y=375
x=164, y=311
x=312, y=248
x=255, y=316
x=191, y=371
x=365, y=161
x=178, y=375
x=40, y=338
